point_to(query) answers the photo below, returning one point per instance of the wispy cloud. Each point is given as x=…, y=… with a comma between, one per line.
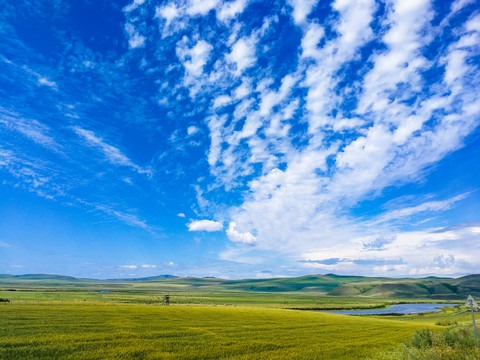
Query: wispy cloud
x=5, y=245
x=429, y=206
x=111, y=153
x=127, y=216
x=32, y=129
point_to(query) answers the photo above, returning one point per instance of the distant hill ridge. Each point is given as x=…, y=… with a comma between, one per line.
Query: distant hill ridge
x=329, y=285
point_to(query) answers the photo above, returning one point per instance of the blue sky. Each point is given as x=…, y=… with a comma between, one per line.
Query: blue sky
x=240, y=138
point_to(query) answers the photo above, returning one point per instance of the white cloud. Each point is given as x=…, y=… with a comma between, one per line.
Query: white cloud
x=413, y=253
x=201, y=7
x=301, y=9
x=311, y=39
x=135, y=40
x=459, y=4
x=146, y=266
x=44, y=81
x=204, y=225
x=128, y=267
x=169, y=264
x=168, y=12
x=192, y=130
x=239, y=237
x=229, y=10
x=269, y=99
x=264, y=275
x=135, y=4
x=243, y=90
x=243, y=54
x=473, y=24
x=215, y=125
x=4, y=244
x=195, y=58
x=221, y=101
x=182, y=215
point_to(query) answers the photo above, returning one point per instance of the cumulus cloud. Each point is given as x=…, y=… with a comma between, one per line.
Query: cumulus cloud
x=204, y=225
x=195, y=58
x=239, y=237
x=243, y=54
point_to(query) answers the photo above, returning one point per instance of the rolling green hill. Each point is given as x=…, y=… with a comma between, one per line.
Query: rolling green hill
x=328, y=285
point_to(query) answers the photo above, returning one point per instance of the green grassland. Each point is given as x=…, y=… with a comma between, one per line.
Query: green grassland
x=192, y=332
x=218, y=319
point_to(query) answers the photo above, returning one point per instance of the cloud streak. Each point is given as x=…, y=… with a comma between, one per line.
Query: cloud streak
x=111, y=153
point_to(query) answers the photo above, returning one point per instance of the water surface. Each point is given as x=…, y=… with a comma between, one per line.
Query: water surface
x=403, y=309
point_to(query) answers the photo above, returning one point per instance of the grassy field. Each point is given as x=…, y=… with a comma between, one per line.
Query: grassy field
x=215, y=319
x=192, y=332
x=297, y=300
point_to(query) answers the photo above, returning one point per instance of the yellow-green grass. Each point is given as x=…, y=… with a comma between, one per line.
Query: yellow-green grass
x=299, y=300
x=192, y=332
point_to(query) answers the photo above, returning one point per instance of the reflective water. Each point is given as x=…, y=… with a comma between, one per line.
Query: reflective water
x=396, y=309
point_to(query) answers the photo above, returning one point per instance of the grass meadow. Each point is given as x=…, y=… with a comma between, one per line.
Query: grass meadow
x=192, y=332
x=46, y=317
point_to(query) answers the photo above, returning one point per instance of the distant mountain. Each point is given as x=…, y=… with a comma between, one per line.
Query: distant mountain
x=38, y=277
x=323, y=285
x=149, y=278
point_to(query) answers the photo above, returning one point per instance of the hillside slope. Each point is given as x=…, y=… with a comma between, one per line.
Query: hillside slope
x=329, y=285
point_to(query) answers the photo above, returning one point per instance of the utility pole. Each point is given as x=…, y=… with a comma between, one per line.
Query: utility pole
x=470, y=302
